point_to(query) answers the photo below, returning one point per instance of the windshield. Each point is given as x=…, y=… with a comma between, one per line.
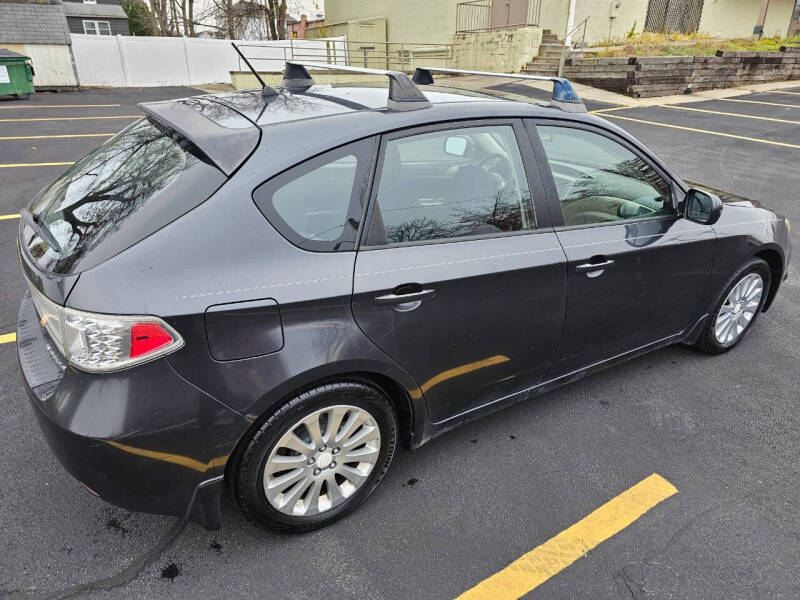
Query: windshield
x=120, y=193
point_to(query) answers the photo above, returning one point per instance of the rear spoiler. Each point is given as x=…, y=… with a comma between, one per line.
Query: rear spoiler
x=226, y=147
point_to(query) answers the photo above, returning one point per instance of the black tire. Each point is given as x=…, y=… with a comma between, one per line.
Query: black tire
x=707, y=342
x=247, y=474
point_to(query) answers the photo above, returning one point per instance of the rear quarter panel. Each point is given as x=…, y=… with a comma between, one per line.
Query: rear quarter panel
x=225, y=251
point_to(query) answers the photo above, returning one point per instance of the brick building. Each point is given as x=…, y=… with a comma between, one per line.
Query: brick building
x=297, y=29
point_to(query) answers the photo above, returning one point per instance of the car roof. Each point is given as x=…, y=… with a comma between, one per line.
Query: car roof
x=227, y=126
x=322, y=101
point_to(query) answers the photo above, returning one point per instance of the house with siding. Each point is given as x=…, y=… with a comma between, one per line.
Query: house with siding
x=96, y=17
x=38, y=29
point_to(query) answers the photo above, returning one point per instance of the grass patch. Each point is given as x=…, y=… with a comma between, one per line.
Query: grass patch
x=697, y=44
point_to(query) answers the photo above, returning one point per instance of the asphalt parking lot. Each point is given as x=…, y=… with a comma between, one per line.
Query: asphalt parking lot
x=724, y=431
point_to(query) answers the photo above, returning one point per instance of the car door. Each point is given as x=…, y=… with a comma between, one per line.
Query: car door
x=637, y=271
x=459, y=276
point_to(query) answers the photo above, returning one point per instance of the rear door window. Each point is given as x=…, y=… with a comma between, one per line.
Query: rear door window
x=454, y=183
x=117, y=195
x=317, y=205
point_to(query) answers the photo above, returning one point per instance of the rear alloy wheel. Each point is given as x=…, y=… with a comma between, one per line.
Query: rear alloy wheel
x=316, y=458
x=737, y=308
x=322, y=460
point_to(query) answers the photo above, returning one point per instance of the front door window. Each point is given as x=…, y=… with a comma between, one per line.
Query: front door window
x=600, y=181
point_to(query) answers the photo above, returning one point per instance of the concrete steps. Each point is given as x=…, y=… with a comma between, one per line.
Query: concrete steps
x=546, y=63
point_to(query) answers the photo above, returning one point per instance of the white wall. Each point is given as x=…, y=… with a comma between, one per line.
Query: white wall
x=736, y=18
x=51, y=62
x=122, y=61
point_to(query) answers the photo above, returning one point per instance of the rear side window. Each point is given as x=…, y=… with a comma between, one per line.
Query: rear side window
x=117, y=195
x=317, y=204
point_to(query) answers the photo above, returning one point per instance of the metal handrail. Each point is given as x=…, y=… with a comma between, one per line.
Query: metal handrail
x=578, y=26
x=563, y=58
x=400, y=56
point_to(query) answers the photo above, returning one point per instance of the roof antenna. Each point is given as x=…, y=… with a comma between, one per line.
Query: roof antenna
x=265, y=89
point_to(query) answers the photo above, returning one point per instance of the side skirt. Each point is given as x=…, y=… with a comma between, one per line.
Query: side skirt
x=440, y=427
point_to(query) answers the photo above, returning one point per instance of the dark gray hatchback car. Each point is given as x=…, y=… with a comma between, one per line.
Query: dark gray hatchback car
x=275, y=288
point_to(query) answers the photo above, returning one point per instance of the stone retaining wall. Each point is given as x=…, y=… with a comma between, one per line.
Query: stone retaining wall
x=646, y=76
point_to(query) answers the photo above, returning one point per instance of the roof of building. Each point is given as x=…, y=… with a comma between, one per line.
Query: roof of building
x=9, y=54
x=107, y=11
x=34, y=23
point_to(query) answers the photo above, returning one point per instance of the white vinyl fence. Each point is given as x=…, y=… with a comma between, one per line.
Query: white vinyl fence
x=126, y=61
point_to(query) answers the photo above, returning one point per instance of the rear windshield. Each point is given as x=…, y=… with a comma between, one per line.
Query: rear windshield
x=117, y=195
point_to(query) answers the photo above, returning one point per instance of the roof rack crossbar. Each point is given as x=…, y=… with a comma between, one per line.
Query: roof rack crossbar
x=564, y=96
x=265, y=89
x=404, y=95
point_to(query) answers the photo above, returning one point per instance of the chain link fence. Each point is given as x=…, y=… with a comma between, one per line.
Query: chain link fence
x=670, y=16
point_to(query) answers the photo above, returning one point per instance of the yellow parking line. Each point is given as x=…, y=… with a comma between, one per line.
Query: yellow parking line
x=47, y=164
x=6, y=217
x=727, y=114
x=604, y=110
x=707, y=132
x=13, y=106
x=7, y=338
x=556, y=554
x=52, y=137
x=758, y=102
x=68, y=118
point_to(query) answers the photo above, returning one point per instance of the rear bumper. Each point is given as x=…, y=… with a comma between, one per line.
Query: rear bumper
x=143, y=438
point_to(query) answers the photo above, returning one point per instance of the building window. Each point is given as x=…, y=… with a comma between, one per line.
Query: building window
x=97, y=27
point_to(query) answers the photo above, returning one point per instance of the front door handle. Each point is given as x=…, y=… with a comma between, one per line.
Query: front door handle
x=413, y=299
x=589, y=267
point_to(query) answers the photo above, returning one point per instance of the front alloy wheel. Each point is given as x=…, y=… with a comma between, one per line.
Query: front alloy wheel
x=736, y=308
x=316, y=457
x=739, y=308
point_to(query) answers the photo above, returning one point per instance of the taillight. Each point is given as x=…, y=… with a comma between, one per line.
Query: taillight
x=100, y=343
x=147, y=338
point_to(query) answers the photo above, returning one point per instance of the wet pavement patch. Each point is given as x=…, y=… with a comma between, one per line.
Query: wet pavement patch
x=171, y=571
x=113, y=524
x=215, y=545
x=411, y=482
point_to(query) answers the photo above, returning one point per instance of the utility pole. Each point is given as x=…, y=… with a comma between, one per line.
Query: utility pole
x=762, y=17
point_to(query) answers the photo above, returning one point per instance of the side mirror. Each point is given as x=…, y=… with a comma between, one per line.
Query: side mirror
x=456, y=145
x=702, y=207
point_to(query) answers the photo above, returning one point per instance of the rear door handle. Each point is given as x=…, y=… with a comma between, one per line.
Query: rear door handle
x=594, y=266
x=411, y=297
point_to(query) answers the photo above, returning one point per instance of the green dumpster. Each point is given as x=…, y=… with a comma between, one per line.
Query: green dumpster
x=16, y=74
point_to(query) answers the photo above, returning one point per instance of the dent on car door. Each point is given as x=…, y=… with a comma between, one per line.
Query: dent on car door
x=637, y=272
x=459, y=277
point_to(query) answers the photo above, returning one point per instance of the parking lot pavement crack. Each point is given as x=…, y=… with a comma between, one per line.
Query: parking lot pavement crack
x=635, y=589
x=122, y=577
